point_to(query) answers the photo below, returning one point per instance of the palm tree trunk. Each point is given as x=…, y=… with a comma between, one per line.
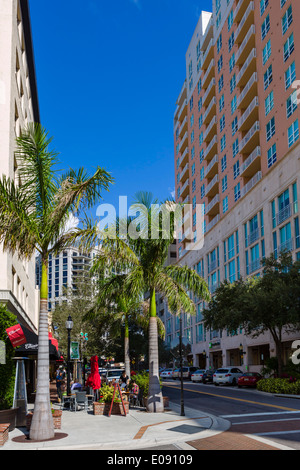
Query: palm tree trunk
x=155, y=399
x=42, y=427
x=126, y=347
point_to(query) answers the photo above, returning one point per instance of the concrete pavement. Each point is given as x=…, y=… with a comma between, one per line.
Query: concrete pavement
x=138, y=430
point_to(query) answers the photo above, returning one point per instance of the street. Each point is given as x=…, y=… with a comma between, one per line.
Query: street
x=250, y=412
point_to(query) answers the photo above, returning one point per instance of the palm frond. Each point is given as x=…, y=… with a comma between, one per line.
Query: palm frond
x=189, y=279
x=176, y=296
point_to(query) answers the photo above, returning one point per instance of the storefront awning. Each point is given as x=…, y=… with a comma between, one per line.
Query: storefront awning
x=30, y=348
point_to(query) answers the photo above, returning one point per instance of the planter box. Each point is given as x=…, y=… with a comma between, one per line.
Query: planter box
x=4, y=429
x=103, y=408
x=9, y=416
x=57, y=414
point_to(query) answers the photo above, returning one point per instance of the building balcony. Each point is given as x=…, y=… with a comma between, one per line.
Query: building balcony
x=212, y=223
x=256, y=178
x=212, y=266
x=212, y=168
x=245, y=23
x=247, y=45
x=184, y=174
x=254, y=266
x=253, y=236
x=248, y=92
x=251, y=139
x=183, y=111
x=212, y=209
x=247, y=69
x=211, y=130
x=183, y=94
x=211, y=149
x=183, y=143
x=252, y=164
x=184, y=127
x=240, y=10
x=249, y=116
x=213, y=187
x=209, y=74
x=210, y=111
x=185, y=189
x=286, y=246
x=284, y=214
x=184, y=158
x=208, y=54
x=210, y=92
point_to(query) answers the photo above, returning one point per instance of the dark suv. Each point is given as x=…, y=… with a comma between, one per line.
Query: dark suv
x=208, y=376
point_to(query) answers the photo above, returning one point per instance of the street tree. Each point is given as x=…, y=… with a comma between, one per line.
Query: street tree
x=34, y=212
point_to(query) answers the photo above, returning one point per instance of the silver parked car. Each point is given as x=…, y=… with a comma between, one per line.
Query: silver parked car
x=197, y=376
x=227, y=376
x=166, y=374
x=113, y=374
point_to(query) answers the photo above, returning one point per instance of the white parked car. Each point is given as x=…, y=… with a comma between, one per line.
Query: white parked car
x=227, y=376
x=113, y=374
x=197, y=376
x=166, y=374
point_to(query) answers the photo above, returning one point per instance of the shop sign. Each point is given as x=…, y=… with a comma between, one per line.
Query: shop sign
x=16, y=335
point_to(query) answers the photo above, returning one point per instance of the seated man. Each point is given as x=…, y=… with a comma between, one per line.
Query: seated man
x=76, y=385
x=124, y=381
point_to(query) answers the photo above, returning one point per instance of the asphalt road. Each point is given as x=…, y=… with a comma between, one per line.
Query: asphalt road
x=249, y=411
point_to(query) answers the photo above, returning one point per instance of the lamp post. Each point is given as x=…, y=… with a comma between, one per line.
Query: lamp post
x=69, y=326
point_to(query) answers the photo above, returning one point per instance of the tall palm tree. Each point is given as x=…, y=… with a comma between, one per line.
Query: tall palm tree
x=144, y=261
x=33, y=218
x=120, y=310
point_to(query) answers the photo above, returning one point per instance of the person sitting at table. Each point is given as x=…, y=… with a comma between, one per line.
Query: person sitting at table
x=124, y=381
x=76, y=385
x=134, y=390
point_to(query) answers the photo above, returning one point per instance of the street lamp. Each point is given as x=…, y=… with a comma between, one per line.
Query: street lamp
x=69, y=326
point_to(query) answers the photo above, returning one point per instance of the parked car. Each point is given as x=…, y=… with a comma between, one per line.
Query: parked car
x=166, y=374
x=227, y=375
x=197, y=375
x=208, y=376
x=249, y=379
x=102, y=373
x=113, y=374
x=186, y=373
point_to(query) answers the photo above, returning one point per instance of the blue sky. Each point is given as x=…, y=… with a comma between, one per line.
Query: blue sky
x=109, y=73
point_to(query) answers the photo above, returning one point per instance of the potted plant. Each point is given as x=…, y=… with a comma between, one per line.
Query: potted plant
x=8, y=414
x=102, y=406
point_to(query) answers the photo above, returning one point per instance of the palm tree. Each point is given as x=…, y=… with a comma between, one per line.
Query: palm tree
x=119, y=309
x=33, y=218
x=144, y=261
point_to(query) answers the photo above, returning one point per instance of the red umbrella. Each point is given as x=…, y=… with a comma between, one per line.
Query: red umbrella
x=94, y=380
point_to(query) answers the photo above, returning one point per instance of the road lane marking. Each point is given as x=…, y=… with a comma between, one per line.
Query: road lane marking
x=246, y=415
x=234, y=399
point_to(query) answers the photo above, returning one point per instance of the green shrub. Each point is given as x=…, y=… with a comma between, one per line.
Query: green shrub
x=8, y=370
x=283, y=386
x=107, y=393
x=142, y=380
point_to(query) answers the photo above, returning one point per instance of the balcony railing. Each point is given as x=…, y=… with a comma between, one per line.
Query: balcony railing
x=212, y=123
x=253, y=236
x=209, y=89
x=184, y=171
x=213, y=182
x=256, y=178
x=254, y=265
x=255, y=128
x=207, y=73
x=250, y=33
x=183, y=108
x=184, y=140
x=243, y=20
x=184, y=156
x=213, y=223
x=246, y=89
x=210, y=146
x=284, y=214
x=209, y=108
x=241, y=73
x=186, y=184
x=213, y=162
x=256, y=153
x=246, y=114
x=212, y=204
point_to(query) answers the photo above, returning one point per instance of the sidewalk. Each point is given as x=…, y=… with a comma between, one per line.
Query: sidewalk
x=140, y=430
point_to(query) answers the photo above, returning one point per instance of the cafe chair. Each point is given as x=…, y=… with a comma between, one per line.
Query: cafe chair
x=81, y=400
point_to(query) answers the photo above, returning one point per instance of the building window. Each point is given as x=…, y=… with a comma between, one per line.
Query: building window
x=269, y=103
x=272, y=156
x=289, y=47
x=287, y=19
x=224, y=163
x=236, y=169
x=265, y=28
x=291, y=104
x=225, y=204
x=237, y=192
x=290, y=75
x=268, y=77
x=293, y=133
x=270, y=129
x=267, y=52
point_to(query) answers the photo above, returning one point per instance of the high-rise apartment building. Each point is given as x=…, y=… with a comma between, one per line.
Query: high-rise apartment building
x=18, y=106
x=237, y=147
x=64, y=272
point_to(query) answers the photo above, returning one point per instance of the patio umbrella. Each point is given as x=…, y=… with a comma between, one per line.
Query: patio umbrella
x=94, y=380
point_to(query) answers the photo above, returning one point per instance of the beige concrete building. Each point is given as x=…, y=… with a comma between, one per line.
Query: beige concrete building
x=18, y=106
x=237, y=151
